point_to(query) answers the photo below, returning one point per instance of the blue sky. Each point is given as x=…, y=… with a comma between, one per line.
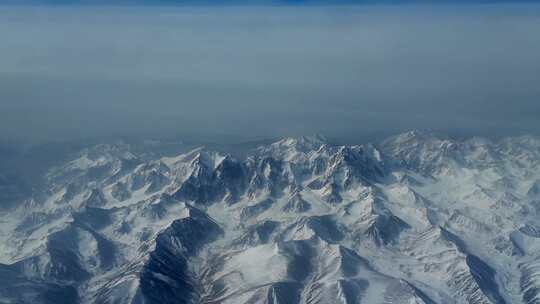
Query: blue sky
x=257, y=2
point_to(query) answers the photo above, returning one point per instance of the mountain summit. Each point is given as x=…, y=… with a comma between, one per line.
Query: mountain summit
x=415, y=219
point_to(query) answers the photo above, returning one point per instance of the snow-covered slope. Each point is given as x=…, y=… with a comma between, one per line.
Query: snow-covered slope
x=415, y=219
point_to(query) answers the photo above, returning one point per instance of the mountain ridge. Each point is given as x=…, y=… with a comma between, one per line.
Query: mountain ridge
x=413, y=219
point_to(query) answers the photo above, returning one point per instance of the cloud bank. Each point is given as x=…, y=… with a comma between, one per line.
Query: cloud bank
x=347, y=72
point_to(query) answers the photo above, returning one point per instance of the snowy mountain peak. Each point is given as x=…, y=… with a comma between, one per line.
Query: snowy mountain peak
x=311, y=142
x=413, y=137
x=292, y=148
x=416, y=219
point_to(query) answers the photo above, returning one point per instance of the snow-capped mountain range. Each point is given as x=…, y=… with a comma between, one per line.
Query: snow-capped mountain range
x=413, y=219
